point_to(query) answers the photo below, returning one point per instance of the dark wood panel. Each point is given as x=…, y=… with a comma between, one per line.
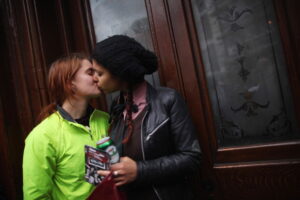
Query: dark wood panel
x=7, y=184
x=11, y=147
x=50, y=24
x=185, y=60
x=292, y=6
x=286, y=150
x=11, y=138
x=278, y=180
x=208, y=140
x=164, y=44
x=76, y=21
x=289, y=23
x=18, y=49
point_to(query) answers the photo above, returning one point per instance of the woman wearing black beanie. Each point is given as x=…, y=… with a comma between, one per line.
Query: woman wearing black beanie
x=150, y=126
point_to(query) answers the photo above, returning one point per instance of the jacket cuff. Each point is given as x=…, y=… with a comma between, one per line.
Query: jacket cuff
x=139, y=175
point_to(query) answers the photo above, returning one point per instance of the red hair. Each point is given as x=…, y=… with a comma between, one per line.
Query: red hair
x=61, y=73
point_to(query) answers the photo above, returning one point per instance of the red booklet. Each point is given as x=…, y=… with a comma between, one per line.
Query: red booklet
x=107, y=190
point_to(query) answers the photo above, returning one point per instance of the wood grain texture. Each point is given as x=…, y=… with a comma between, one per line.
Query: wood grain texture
x=278, y=180
x=285, y=150
x=164, y=44
x=289, y=23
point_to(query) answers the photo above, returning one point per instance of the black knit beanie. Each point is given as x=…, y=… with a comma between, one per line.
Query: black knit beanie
x=125, y=58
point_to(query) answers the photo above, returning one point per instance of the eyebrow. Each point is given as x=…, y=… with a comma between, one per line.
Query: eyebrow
x=90, y=69
x=97, y=70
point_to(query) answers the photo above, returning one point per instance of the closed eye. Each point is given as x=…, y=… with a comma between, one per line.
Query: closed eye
x=99, y=73
x=90, y=71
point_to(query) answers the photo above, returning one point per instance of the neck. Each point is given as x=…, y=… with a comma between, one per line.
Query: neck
x=133, y=87
x=75, y=108
x=137, y=90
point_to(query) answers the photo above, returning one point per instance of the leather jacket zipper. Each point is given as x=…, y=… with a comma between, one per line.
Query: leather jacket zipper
x=150, y=134
x=142, y=142
x=143, y=152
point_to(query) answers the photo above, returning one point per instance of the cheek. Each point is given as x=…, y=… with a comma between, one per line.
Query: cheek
x=102, y=82
x=116, y=85
x=90, y=79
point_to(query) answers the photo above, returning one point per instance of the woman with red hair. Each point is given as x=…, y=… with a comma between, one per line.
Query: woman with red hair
x=53, y=162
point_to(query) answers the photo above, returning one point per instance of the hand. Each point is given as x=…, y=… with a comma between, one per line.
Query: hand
x=125, y=171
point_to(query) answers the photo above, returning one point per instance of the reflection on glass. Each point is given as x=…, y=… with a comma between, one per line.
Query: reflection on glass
x=246, y=71
x=111, y=17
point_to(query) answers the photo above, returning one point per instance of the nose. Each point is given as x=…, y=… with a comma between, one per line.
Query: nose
x=95, y=77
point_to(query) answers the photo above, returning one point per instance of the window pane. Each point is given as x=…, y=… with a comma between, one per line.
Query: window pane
x=246, y=71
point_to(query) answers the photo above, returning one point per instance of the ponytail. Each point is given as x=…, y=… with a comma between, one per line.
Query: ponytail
x=46, y=111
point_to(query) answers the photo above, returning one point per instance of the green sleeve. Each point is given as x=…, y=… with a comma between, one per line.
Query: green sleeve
x=39, y=165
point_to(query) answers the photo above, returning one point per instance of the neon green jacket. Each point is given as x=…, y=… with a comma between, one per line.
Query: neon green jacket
x=54, y=158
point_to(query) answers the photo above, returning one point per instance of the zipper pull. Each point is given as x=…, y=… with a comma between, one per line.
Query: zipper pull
x=89, y=130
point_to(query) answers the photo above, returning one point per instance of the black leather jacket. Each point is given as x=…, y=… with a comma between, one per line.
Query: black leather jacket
x=171, y=152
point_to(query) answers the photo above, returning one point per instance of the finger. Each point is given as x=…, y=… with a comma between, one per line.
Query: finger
x=122, y=159
x=115, y=167
x=126, y=158
x=120, y=183
x=103, y=172
x=118, y=179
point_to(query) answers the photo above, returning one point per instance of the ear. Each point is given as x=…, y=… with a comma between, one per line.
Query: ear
x=72, y=87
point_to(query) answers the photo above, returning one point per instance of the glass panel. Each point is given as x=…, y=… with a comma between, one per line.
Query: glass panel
x=246, y=71
x=130, y=18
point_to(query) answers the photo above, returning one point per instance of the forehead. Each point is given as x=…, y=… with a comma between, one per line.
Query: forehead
x=86, y=64
x=99, y=67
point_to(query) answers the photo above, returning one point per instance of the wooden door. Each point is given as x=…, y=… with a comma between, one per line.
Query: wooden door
x=237, y=64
